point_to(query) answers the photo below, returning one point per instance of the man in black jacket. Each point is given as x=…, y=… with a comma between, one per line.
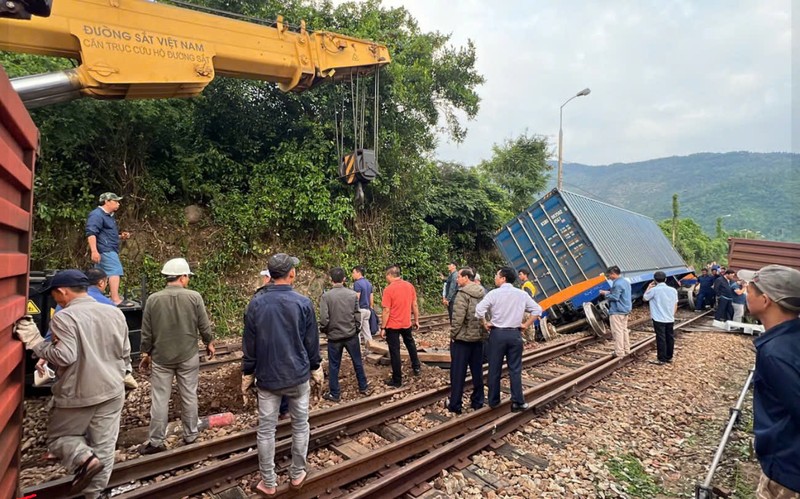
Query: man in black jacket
x=280, y=347
x=340, y=319
x=722, y=287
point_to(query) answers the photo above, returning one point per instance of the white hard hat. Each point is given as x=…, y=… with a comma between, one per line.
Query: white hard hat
x=176, y=267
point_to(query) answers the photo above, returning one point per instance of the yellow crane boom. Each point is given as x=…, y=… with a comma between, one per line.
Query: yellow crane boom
x=134, y=49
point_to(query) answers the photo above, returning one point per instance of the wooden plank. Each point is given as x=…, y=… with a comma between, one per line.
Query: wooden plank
x=469, y=474
x=420, y=489
x=349, y=449
x=435, y=416
x=395, y=432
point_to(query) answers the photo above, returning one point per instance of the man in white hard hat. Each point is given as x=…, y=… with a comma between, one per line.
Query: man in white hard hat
x=174, y=319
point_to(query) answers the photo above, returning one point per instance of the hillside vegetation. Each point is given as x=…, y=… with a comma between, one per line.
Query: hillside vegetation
x=758, y=190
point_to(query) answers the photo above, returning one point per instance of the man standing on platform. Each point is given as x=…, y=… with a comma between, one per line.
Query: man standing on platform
x=507, y=306
x=339, y=319
x=399, y=303
x=466, y=343
x=773, y=296
x=663, y=305
x=620, y=299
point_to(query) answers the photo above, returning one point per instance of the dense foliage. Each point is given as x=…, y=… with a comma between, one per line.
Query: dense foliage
x=263, y=165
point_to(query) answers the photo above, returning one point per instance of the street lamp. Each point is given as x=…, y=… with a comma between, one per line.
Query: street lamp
x=583, y=92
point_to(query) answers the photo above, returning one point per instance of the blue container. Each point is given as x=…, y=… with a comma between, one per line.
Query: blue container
x=566, y=239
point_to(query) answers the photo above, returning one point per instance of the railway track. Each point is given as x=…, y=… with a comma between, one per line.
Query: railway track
x=234, y=456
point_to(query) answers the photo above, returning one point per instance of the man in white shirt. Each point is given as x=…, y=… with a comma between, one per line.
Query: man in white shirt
x=506, y=306
x=663, y=304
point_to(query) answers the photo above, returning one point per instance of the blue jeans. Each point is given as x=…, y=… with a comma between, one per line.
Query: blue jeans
x=268, y=404
x=463, y=354
x=704, y=297
x=505, y=343
x=335, y=360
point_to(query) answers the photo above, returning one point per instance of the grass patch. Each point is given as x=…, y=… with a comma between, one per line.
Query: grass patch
x=628, y=470
x=742, y=487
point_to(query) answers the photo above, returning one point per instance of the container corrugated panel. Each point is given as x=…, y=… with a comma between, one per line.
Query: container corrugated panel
x=752, y=254
x=19, y=140
x=566, y=238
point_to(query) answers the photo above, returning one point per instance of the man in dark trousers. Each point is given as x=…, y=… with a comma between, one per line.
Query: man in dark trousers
x=773, y=296
x=663, y=305
x=507, y=306
x=339, y=319
x=466, y=343
x=722, y=287
x=280, y=347
x=399, y=302
x=705, y=295
x=450, y=289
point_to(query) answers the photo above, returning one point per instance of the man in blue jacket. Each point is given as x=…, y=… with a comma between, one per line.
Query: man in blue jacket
x=280, y=347
x=705, y=296
x=619, y=299
x=773, y=296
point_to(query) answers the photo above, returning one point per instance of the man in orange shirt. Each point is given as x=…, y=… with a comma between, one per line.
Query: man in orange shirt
x=399, y=302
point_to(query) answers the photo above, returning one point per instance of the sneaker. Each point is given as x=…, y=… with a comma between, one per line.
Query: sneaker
x=656, y=362
x=151, y=449
x=417, y=371
x=518, y=407
x=329, y=396
x=366, y=391
x=393, y=383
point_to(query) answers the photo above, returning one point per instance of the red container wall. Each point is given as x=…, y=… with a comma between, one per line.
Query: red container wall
x=752, y=254
x=19, y=141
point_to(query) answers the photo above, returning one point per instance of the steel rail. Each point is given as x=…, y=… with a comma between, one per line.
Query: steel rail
x=156, y=464
x=472, y=433
x=228, y=470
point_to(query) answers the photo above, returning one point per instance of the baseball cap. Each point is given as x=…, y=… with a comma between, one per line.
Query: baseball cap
x=109, y=196
x=780, y=283
x=281, y=264
x=66, y=279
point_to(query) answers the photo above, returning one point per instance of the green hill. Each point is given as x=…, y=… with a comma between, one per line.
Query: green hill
x=760, y=191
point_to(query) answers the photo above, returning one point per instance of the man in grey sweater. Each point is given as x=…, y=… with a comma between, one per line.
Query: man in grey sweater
x=89, y=350
x=340, y=319
x=173, y=320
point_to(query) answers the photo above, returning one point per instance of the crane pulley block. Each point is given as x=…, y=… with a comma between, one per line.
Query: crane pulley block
x=361, y=166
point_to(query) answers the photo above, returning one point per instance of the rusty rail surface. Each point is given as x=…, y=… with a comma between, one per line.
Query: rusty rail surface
x=227, y=471
x=476, y=434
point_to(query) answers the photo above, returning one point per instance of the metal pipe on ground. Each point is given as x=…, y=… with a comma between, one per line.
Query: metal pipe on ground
x=705, y=490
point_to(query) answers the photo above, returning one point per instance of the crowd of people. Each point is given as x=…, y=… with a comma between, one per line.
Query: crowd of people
x=89, y=347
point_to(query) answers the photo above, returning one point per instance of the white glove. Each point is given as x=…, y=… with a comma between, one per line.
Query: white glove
x=130, y=382
x=318, y=376
x=27, y=331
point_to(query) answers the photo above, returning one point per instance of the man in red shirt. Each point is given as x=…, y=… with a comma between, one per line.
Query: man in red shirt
x=399, y=302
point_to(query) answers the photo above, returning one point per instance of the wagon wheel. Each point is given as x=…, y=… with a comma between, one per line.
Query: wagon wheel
x=595, y=320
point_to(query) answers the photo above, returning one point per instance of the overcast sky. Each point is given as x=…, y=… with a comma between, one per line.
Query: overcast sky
x=666, y=77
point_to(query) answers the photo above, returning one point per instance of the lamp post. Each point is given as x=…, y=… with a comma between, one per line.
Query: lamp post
x=583, y=92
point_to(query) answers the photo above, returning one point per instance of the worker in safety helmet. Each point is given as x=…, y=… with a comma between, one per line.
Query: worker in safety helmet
x=174, y=319
x=773, y=296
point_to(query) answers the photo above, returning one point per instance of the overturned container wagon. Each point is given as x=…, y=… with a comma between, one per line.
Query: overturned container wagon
x=568, y=241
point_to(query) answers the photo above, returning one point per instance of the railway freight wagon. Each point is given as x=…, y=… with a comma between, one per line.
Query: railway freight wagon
x=568, y=240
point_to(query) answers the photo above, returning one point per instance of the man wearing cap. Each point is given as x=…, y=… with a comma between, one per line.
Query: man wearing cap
x=663, y=305
x=773, y=296
x=89, y=352
x=280, y=348
x=172, y=322
x=103, y=237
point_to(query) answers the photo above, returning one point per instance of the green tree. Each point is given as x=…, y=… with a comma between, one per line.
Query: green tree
x=519, y=167
x=694, y=245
